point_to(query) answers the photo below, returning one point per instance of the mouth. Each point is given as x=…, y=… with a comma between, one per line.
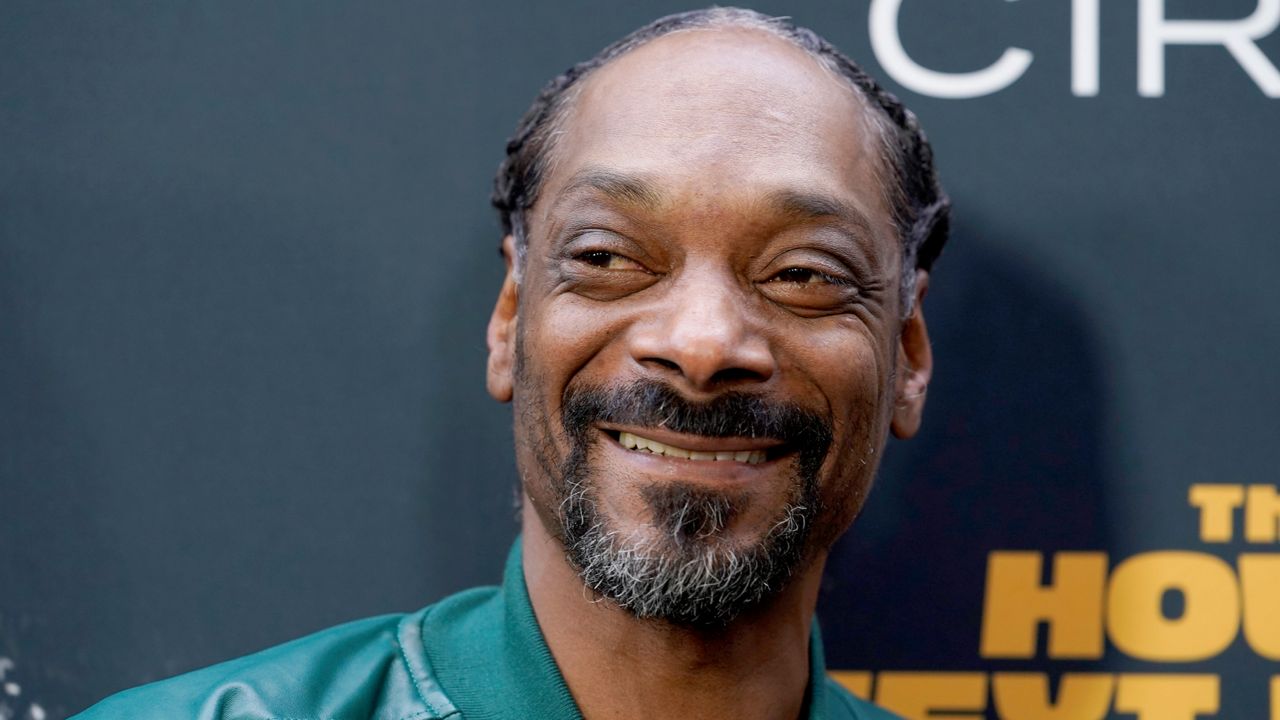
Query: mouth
x=699, y=448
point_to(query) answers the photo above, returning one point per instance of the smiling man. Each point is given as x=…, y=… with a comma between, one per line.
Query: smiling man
x=718, y=237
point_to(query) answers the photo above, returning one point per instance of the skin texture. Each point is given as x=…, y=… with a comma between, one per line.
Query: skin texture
x=714, y=218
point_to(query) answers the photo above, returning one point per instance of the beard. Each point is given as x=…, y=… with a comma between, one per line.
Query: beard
x=685, y=570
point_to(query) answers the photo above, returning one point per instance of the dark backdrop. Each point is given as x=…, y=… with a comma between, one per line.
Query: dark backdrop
x=246, y=259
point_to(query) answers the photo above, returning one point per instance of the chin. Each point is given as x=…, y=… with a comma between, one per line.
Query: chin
x=697, y=562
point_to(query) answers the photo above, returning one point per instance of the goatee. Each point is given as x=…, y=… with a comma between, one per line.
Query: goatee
x=687, y=572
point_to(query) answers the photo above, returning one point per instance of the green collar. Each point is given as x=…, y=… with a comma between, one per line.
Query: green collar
x=483, y=657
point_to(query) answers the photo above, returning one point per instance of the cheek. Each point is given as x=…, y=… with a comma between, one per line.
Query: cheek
x=572, y=339
x=848, y=366
x=554, y=341
x=847, y=363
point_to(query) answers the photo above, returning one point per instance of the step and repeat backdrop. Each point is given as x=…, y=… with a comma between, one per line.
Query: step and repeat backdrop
x=246, y=261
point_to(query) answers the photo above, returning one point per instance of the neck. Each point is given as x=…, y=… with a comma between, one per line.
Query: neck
x=619, y=667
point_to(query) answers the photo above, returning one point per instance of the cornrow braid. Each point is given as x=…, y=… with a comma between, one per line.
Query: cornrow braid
x=921, y=208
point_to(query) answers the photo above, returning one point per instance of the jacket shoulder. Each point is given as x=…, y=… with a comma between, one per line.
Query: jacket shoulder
x=844, y=705
x=352, y=671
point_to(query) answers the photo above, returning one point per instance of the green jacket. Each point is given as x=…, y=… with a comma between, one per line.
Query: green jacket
x=477, y=655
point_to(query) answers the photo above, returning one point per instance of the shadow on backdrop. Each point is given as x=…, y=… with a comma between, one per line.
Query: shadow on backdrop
x=1010, y=457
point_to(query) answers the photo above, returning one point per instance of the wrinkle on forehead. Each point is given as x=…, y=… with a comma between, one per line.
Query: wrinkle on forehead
x=736, y=99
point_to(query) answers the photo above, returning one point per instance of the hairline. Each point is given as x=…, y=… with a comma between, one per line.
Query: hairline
x=568, y=101
x=892, y=163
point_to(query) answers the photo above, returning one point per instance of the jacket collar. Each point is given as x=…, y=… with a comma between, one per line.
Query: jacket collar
x=481, y=653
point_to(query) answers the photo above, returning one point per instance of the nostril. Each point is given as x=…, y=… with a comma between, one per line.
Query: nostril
x=724, y=377
x=662, y=362
x=734, y=375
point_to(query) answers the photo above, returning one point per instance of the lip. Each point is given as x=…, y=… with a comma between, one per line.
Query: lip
x=775, y=451
x=715, y=473
x=699, y=443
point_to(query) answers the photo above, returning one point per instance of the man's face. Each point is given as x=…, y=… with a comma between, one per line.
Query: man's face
x=702, y=361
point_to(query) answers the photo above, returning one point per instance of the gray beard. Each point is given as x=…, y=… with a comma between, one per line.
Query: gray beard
x=682, y=570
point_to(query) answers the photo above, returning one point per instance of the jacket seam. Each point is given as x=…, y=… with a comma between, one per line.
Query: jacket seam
x=413, y=676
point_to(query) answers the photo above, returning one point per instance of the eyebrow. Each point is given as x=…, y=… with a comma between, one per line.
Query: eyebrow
x=619, y=187
x=805, y=205
x=795, y=205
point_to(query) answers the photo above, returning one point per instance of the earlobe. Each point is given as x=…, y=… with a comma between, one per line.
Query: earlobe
x=500, y=375
x=915, y=366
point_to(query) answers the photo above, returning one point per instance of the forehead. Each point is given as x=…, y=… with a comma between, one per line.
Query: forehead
x=719, y=112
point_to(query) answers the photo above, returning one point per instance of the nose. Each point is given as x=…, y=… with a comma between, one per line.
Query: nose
x=702, y=334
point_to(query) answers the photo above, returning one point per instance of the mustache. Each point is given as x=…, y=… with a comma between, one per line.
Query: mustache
x=651, y=403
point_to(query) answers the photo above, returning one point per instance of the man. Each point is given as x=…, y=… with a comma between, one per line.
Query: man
x=718, y=237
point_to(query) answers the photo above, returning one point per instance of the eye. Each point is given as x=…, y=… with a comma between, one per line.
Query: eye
x=806, y=276
x=607, y=260
x=812, y=288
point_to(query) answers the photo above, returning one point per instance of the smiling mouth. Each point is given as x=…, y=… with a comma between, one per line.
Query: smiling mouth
x=641, y=444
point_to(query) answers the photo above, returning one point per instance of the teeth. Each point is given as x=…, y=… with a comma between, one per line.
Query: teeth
x=635, y=442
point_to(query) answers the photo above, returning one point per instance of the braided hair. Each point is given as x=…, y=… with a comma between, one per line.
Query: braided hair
x=921, y=208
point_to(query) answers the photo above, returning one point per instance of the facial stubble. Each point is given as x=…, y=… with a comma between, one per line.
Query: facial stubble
x=683, y=567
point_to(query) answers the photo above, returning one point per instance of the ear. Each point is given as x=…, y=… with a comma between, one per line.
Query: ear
x=502, y=330
x=915, y=366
